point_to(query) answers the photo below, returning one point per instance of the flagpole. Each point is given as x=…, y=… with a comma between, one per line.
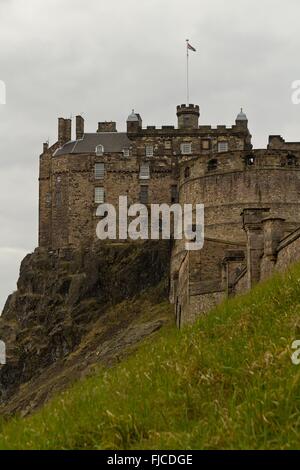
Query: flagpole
x=187, y=73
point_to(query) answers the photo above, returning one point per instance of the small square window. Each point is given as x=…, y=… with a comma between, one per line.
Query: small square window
x=168, y=144
x=186, y=148
x=205, y=144
x=99, y=170
x=149, y=151
x=99, y=195
x=223, y=147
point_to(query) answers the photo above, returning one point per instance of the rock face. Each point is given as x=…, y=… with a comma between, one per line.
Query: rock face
x=75, y=309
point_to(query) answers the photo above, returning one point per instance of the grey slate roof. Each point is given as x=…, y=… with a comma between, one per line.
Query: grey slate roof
x=111, y=141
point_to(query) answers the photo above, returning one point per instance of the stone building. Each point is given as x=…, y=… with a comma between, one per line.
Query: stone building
x=251, y=197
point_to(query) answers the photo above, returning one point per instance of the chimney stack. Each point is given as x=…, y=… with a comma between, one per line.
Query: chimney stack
x=68, y=130
x=61, y=131
x=107, y=126
x=79, y=127
x=64, y=130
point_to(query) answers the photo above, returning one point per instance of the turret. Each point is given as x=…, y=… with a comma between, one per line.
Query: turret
x=134, y=123
x=242, y=120
x=188, y=116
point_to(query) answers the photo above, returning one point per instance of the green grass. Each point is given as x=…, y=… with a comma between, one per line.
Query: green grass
x=225, y=383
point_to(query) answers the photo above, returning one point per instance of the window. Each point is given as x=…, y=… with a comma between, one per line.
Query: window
x=223, y=147
x=58, y=198
x=99, y=171
x=144, y=171
x=212, y=165
x=99, y=150
x=291, y=159
x=99, y=195
x=58, y=195
x=250, y=160
x=174, y=193
x=186, y=148
x=187, y=172
x=144, y=195
x=48, y=199
x=205, y=144
x=168, y=144
x=149, y=151
x=126, y=153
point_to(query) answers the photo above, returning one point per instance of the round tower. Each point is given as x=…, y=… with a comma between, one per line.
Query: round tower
x=188, y=116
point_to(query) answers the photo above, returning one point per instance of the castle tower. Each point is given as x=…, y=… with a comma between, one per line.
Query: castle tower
x=242, y=120
x=188, y=116
x=134, y=123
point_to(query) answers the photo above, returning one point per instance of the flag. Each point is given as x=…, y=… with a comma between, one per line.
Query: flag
x=191, y=47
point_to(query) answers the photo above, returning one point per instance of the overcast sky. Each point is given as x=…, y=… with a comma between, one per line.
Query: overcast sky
x=103, y=58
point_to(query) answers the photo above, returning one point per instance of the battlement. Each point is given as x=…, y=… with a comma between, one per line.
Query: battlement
x=189, y=107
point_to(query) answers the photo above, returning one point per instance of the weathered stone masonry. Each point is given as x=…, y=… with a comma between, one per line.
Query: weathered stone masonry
x=251, y=197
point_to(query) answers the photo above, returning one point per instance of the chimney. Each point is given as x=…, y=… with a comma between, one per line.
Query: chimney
x=79, y=127
x=45, y=146
x=68, y=130
x=107, y=126
x=61, y=131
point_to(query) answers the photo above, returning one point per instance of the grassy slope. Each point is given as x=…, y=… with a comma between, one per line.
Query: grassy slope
x=227, y=382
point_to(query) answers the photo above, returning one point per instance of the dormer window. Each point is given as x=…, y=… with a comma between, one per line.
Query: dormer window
x=144, y=171
x=149, y=151
x=126, y=153
x=99, y=150
x=186, y=148
x=223, y=146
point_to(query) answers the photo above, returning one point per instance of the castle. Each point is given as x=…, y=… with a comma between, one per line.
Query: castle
x=251, y=197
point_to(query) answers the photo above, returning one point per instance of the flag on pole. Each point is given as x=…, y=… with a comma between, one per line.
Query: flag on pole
x=190, y=47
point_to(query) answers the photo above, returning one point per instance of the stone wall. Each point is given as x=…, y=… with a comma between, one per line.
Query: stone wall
x=288, y=251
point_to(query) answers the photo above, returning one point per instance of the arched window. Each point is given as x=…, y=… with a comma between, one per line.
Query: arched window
x=212, y=164
x=99, y=150
x=187, y=172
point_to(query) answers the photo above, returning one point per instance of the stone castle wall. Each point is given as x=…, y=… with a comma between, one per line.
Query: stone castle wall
x=226, y=182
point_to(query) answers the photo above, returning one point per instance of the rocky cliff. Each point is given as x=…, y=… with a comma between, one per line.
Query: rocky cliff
x=76, y=309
